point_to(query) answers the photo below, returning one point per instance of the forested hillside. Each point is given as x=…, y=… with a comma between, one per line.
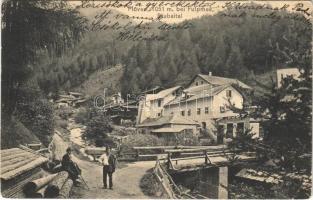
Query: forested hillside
x=241, y=47
x=97, y=51
x=29, y=30
x=100, y=80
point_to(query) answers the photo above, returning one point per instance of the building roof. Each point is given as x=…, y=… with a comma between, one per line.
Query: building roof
x=288, y=71
x=198, y=89
x=217, y=80
x=169, y=130
x=171, y=119
x=200, y=95
x=130, y=104
x=152, y=90
x=163, y=93
x=76, y=93
x=266, y=176
x=16, y=161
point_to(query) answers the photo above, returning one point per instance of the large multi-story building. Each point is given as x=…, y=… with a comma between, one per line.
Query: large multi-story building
x=206, y=100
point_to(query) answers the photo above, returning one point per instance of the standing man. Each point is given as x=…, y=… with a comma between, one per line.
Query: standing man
x=108, y=161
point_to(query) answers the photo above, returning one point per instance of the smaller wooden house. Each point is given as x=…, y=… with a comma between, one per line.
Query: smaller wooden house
x=169, y=127
x=122, y=113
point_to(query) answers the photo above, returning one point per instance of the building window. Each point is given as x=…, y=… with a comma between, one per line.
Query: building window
x=159, y=102
x=228, y=93
x=201, y=82
x=182, y=113
x=197, y=83
x=189, y=112
x=222, y=109
x=198, y=111
x=159, y=114
x=240, y=128
x=206, y=111
x=229, y=130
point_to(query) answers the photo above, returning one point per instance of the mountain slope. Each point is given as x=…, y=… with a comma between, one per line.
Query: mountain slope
x=229, y=47
x=102, y=79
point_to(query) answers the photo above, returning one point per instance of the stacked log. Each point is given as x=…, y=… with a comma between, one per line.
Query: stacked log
x=53, y=189
x=22, y=176
x=14, y=188
x=35, y=185
x=52, y=186
x=66, y=189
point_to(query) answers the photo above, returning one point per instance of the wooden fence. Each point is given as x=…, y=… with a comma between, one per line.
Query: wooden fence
x=202, y=156
x=162, y=152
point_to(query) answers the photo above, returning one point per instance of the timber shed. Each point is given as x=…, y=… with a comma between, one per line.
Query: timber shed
x=19, y=166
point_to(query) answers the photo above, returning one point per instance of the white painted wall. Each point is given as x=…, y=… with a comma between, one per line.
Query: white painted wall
x=192, y=106
x=148, y=107
x=283, y=73
x=222, y=100
x=213, y=104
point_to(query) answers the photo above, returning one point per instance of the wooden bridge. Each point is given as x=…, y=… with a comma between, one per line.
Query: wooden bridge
x=212, y=160
x=186, y=158
x=169, y=186
x=179, y=160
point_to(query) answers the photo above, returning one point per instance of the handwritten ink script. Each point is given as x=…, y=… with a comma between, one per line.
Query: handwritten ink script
x=150, y=20
x=268, y=12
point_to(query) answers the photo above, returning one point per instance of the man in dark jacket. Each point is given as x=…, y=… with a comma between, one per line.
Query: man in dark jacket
x=108, y=161
x=70, y=166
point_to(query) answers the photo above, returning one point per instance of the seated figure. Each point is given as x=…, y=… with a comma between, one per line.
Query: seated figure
x=71, y=167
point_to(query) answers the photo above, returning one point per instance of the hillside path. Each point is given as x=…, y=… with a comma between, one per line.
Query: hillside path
x=126, y=179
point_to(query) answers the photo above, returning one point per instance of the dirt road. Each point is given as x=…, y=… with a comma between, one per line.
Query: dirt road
x=126, y=179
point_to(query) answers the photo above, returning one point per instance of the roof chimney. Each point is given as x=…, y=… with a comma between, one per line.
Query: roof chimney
x=210, y=73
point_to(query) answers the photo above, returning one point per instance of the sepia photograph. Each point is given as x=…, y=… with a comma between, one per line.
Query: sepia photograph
x=128, y=99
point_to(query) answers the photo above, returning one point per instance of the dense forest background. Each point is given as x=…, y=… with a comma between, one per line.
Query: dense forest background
x=239, y=47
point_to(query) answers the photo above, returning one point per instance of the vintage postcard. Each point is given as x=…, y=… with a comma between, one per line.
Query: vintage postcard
x=128, y=99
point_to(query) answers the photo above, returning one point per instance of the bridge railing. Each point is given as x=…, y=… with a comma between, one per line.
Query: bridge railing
x=168, y=184
x=152, y=152
x=164, y=180
x=174, y=156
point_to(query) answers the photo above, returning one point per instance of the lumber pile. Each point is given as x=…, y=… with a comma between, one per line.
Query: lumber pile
x=35, y=185
x=52, y=186
x=55, y=187
x=19, y=166
x=22, y=176
x=66, y=189
x=14, y=188
x=16, y=161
